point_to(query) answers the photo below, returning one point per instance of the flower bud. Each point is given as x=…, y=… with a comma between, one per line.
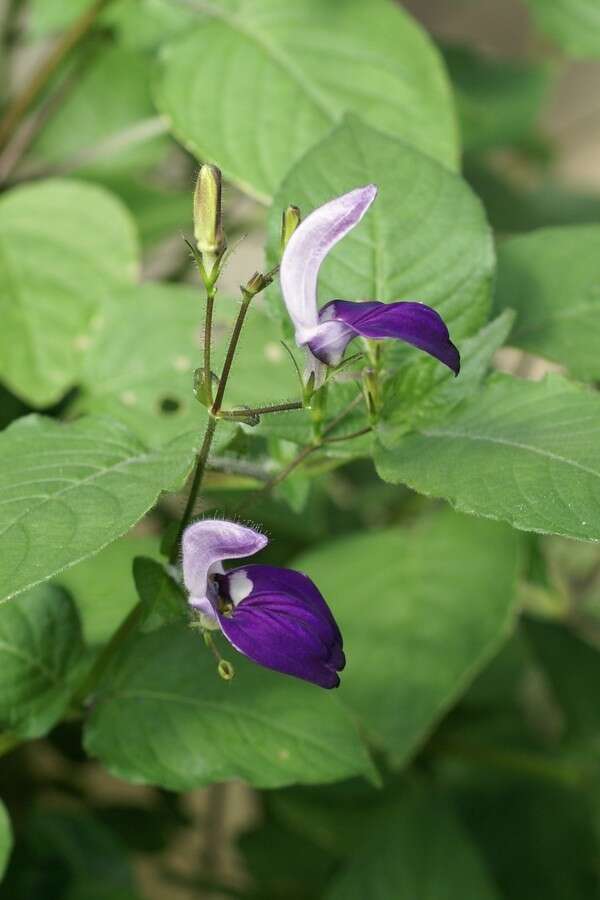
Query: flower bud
x=289, y=222
x=208, y=226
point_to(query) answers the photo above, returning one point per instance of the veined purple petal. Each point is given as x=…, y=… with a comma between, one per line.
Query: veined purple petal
x=205, y=544
x=281, y=622
x=308, y=247
x=415, y=323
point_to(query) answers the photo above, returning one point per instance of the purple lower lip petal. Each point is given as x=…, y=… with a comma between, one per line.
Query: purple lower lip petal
x=414, y=323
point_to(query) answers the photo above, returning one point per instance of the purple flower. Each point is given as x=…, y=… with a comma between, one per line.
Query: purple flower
x=327, y=332
x=275, y=616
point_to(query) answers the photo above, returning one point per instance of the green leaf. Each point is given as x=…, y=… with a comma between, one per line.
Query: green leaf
x=103, y=588
x=537, y=836
x=573, y=24
x=141, y=369
x=163, y=599
x=417, y=395
x=165, y=717
x=69, y=490
x=519, y=451
x=41, y=651
x=65, y=246
x=418, y=849
x=552, y=279
x=103, y=124
x=572, y=666
x=424, y=238
x=421, y=611
x=5, y=838
x=498, y=102
x=258, y=83
x=66, y=854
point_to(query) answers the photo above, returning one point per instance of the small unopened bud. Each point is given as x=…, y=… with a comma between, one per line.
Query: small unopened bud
x=257, y=283
x=289, y=222
x=208, y=225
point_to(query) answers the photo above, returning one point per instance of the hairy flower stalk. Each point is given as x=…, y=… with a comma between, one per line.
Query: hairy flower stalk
x=276, y=617
x=326, y=332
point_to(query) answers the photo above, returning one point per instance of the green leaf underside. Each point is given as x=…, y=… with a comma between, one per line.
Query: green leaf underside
x=258, y=83
x=573, y=24
x=421, y=611
x=551, y=277
x=264, y=728
x=40, y=653
x=417, y=849
x=66, y=491
x=5, y=838
x=424, y=238
x=64, y=247
x=523, y=452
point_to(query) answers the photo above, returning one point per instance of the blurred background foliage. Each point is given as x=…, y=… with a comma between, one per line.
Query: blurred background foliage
x=493, y=790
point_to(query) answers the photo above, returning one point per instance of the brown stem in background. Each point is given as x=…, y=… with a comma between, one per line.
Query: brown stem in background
x=73, y=36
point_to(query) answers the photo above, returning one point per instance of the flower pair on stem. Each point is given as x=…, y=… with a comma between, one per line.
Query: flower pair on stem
x=275, y=616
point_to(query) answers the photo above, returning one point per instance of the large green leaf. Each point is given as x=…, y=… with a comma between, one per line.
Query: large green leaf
x=523, y=452
x=5, y=838
x=574, y=24
x=65, y=246
x=40, y=654
x=141, y=369
x=552, y=279
x=258, y=82
x=165, y=717
x=424, y=238
x=69, y=490
x=421, y=611
x=416, y=850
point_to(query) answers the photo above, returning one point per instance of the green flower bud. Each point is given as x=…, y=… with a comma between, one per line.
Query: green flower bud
x=289, y=222
x=208, y=226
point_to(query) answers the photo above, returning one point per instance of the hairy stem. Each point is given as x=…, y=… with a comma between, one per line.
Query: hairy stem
x=210, y=303
x=201, y=461
x=260, y=410
x=233, y=342
x=73, y=36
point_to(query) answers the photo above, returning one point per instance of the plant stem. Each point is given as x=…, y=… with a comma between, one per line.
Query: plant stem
x=310, y=448
x=210, y=303
x=73, y=36
x=201, y=462
x=121, y=635
x=260, y=410
x=233, y=342
x=347, y=437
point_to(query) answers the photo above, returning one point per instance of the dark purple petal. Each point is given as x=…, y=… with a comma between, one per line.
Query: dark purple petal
x=283, y=623
x=415, y=323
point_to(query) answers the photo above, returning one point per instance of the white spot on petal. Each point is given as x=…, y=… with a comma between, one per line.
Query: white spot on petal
x=239, y=586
